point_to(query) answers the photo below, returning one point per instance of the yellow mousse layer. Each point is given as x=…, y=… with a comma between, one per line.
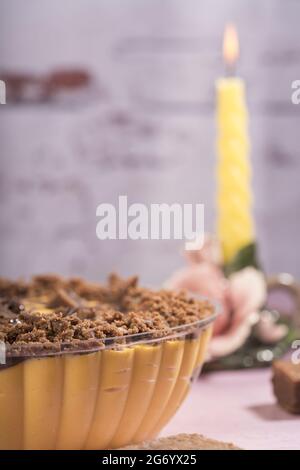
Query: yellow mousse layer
x=106, y=399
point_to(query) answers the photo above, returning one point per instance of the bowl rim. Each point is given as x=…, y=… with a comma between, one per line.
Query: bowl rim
x=35, y=350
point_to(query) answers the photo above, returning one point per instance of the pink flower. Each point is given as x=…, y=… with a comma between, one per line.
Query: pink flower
x=245, y=294
x=240, y=296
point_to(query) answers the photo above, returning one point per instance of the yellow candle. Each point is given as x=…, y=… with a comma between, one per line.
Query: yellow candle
x=235, y=226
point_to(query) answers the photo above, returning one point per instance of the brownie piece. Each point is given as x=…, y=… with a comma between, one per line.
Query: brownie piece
x=286, y=385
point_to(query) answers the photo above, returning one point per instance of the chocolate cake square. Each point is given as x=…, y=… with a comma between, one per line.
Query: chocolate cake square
x=286, y=385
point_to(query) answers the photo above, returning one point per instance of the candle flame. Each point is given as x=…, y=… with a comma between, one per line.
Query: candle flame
x=230, y=45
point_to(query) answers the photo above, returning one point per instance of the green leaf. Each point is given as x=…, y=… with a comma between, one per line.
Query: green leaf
x=247, y=256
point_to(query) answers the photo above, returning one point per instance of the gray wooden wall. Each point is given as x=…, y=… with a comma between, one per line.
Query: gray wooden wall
x=149, y=130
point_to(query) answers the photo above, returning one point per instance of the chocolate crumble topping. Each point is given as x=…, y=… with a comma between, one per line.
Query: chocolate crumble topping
x=51, y=313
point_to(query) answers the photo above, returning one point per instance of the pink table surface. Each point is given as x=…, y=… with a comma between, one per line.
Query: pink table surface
x=238, y=407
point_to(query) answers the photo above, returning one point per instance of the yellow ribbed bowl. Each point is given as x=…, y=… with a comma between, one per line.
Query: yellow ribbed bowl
x=108, y=398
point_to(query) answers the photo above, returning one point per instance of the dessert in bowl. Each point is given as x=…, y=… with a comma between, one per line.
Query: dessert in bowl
x=89, y=366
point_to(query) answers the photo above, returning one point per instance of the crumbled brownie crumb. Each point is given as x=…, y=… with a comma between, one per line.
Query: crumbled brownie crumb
x=81, y=315
x=63, y=297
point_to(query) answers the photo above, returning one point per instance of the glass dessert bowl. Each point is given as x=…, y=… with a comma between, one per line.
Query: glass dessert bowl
x=92, y=377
